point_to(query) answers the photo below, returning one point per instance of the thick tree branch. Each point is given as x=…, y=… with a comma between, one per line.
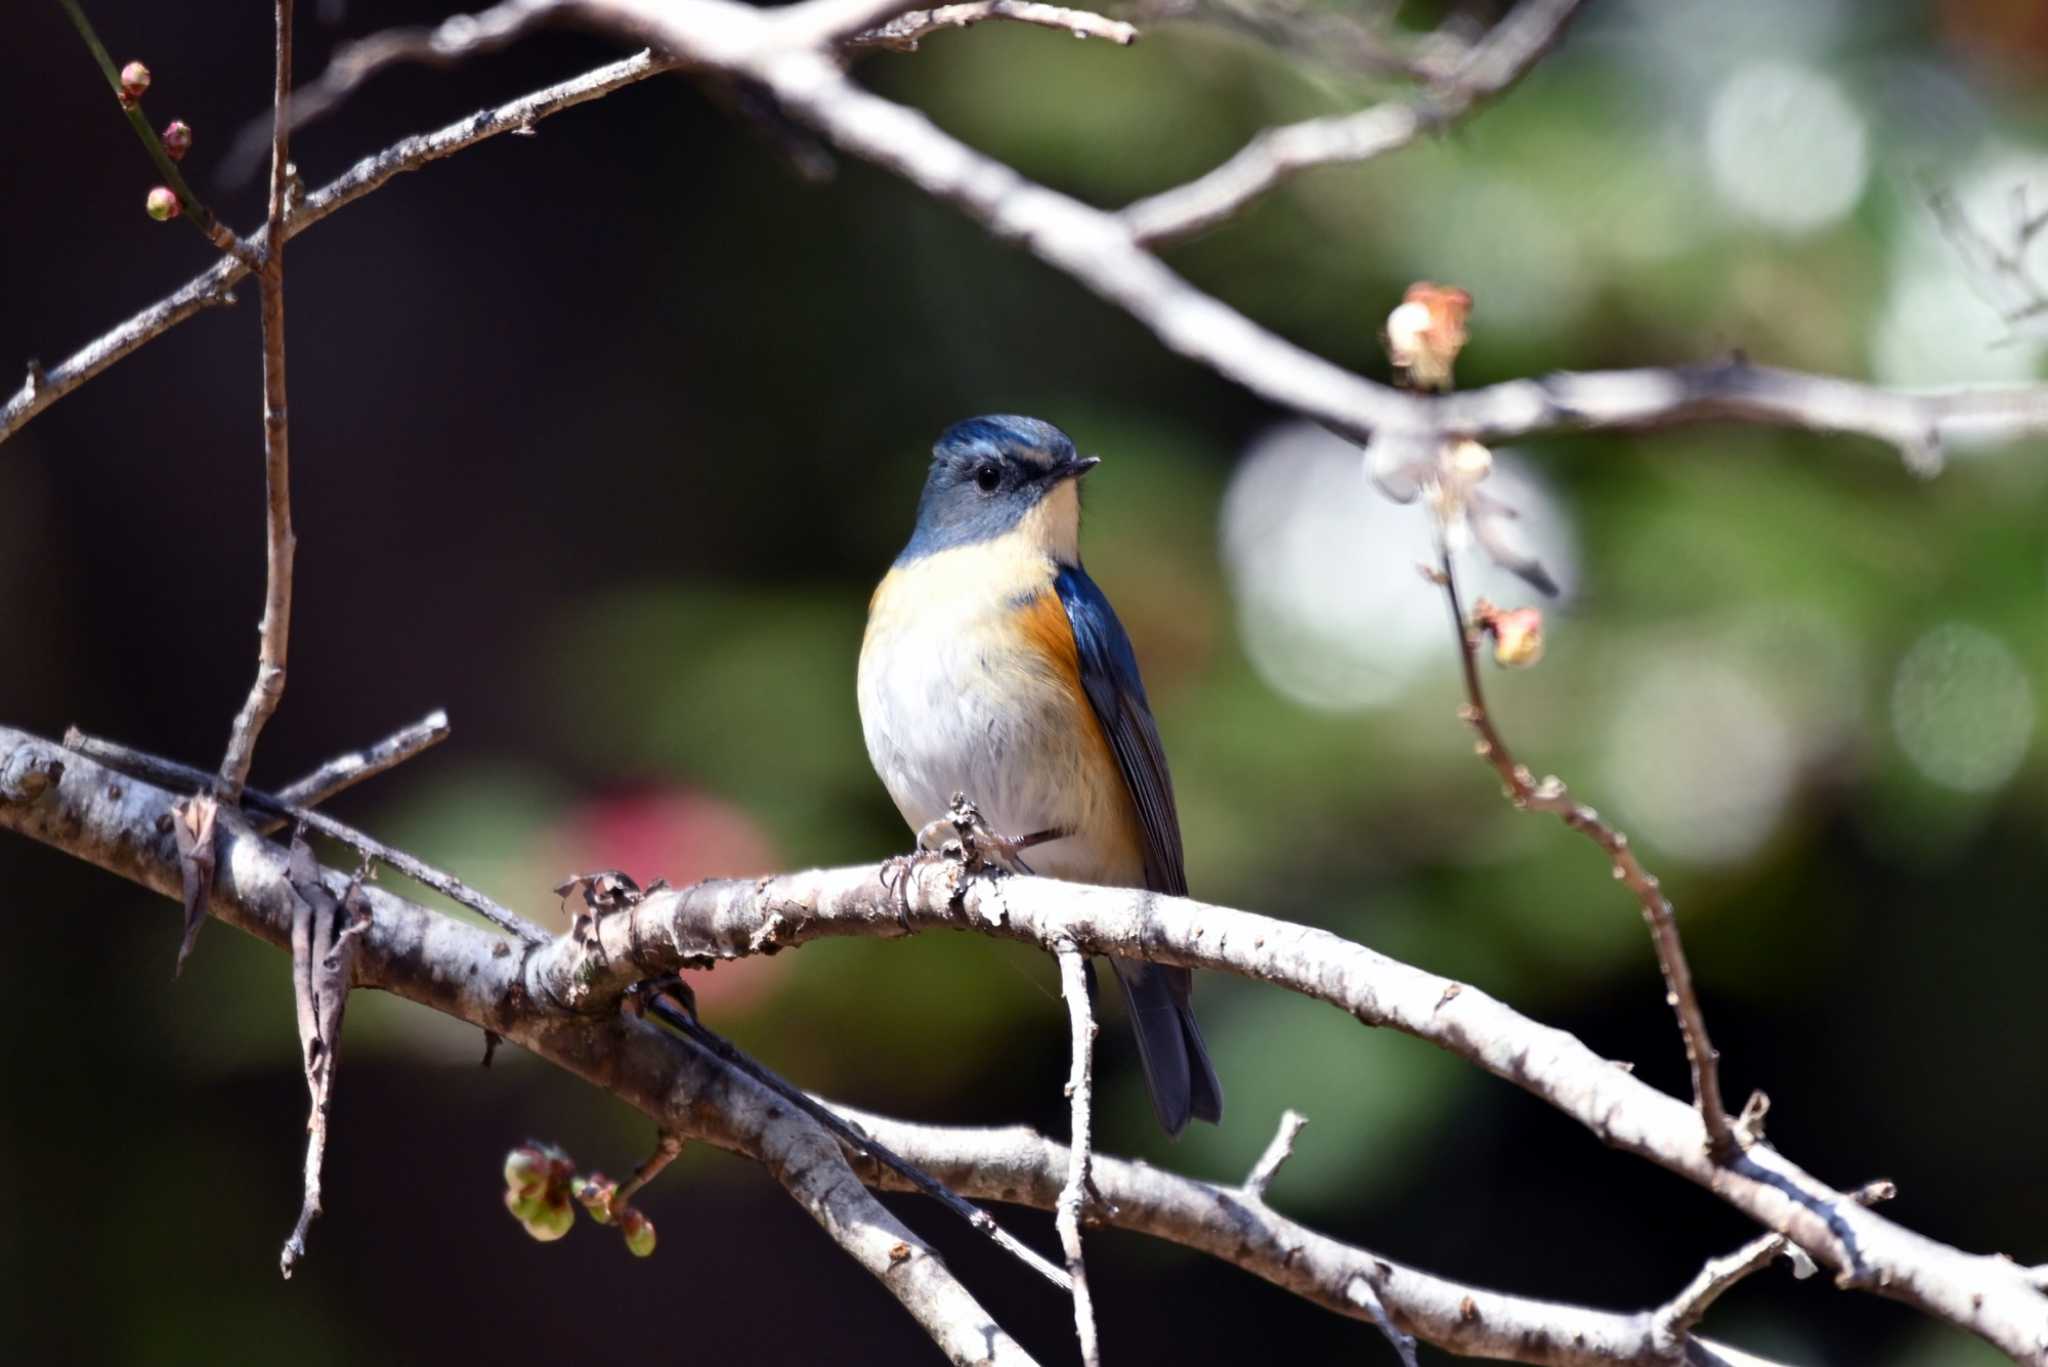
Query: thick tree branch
x=123, y=825
x=701, y=926
x=1514, y=45
x=72, y=803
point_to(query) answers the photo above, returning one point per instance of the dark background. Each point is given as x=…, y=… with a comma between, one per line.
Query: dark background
x=600, y=439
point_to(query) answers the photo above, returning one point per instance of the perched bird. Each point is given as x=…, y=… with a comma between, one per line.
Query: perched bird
x=994, y=667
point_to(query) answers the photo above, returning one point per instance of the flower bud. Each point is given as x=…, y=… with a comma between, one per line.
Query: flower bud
x=177, y=139
x=595, y=1192
x=526, y=1171
x=639, y=1232
x=134, y=80
x=162, y=204
x=1427, y=331
x=1517, y=637
x=552, y=1220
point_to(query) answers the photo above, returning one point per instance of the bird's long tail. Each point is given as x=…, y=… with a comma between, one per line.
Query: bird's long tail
x=1178, y=1073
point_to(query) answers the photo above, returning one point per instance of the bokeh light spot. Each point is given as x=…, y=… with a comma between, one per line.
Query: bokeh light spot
x=1701, y=759
x=1962, y=709
x=1786, y=147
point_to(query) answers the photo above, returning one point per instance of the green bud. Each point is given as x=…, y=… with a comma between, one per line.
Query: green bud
x=552, y=1220
x=595, y=1192
x=162, y=204
x=526, y=1171
x=639, y=1232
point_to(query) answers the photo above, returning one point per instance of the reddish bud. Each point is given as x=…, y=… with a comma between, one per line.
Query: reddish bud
x=177, y=139
x=162, y=204
x=1425, y=334
x=1517, y=637
x=134, y=80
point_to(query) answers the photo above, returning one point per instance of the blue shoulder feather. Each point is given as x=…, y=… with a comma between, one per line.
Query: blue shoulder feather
x=1109, y=676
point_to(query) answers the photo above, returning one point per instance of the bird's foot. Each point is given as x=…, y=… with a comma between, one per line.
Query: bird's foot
x=964, y=837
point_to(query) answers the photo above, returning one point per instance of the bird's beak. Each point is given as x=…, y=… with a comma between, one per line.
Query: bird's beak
x=1074, y=468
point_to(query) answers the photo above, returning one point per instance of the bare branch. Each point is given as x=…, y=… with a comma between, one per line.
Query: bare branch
x=1514, y=45
x=343, y=772
x=274, y=634
x=44, y=386
x=1077, y=986
x=452, y=40
x=702, y=926
x=1097, y=249
x=465, y=972
x=1279, y=1151
x=903, y=33
x=1550, y=795
x=1673, y=1321
x=274, y=810
x=855, y=1141
x=1999, y=270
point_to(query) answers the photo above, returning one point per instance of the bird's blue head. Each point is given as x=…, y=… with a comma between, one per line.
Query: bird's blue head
x=997, y=475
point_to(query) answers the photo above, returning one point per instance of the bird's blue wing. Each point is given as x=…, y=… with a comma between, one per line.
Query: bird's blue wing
x=1109, y=676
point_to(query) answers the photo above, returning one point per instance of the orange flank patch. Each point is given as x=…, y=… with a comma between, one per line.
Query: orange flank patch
x=1043, y=630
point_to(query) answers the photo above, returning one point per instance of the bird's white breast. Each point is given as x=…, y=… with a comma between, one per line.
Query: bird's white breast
x=958, y=695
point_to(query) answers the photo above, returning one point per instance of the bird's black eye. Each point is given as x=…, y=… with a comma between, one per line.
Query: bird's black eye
x=988, y=477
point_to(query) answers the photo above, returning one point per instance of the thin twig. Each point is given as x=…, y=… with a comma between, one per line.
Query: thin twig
x=855, y=1138
x=666, y=1148
x=189, y=204
x=346, y=771
x=1277, y=1152
x=274, y=633
x=1671, y=1324
x=903, y=33
x=1550, y=795
x=1363, y=1295
x=215, y=286
x=1999, y=272
x=1076, y=986
x=1513, y=46
x=172, y=774
x=452, y=40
